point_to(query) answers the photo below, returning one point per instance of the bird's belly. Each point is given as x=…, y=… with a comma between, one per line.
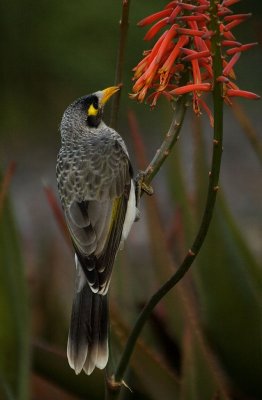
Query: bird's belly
x=130, y=213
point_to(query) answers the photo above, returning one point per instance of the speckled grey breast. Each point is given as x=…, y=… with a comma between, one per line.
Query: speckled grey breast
x=94, y=167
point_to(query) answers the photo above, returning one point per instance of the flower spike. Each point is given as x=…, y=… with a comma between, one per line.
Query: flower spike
x=183, y=51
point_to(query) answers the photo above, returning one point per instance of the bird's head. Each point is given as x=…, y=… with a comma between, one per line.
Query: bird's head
x=87, y=111
x=93, y=105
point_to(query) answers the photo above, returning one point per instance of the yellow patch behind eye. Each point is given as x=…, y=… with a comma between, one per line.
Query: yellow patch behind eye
x=92, y=110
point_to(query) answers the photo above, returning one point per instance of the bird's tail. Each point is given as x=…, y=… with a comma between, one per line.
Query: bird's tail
x=87, y=345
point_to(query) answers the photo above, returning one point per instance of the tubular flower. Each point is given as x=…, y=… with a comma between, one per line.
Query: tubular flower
x=180, y=61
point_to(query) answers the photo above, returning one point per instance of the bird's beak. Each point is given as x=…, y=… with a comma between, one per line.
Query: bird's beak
x=107, y=93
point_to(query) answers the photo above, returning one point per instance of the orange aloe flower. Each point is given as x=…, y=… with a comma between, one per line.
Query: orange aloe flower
x=185, y=46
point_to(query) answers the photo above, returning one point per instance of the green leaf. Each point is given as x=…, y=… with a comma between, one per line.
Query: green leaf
x=196, y=382
x=5, y=392
x=229, y=282
x=181, y=308
x=14, y=339
x=53, y=366
x=201, y=375
x=232, y=313
x=158, y=380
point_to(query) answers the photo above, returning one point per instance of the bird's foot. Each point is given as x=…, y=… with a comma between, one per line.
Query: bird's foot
x=141, y=186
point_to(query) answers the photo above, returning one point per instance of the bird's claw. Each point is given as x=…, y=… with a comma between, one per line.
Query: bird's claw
x=141, y=186
x=148, y=189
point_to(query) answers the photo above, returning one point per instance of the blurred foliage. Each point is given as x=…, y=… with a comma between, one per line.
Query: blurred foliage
x=233, y=318
x=14, y=332
x=52, y=364
x=204, y=340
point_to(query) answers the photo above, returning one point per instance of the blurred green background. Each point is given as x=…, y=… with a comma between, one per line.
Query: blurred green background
x=210, y=344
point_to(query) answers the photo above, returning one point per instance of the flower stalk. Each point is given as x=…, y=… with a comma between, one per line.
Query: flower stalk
x=194, y=56
x=210, y=200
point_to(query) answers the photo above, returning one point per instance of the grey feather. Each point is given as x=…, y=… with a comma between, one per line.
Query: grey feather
x=79, y=214
x=87, y=339
x=94, y=179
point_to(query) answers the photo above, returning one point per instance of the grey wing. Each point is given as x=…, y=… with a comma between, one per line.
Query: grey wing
x=96, y=212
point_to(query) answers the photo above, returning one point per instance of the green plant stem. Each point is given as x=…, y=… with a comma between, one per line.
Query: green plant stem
x=209, y=207
x=120, y=61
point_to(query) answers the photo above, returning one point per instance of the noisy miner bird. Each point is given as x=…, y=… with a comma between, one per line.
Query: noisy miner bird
x=97, y=193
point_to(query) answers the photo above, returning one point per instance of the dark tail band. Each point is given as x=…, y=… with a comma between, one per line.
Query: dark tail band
x=87, y=345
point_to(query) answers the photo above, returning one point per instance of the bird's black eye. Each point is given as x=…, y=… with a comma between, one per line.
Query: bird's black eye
x=92, y=109
x=95, y=103
x=90, y=102
x=92, y=106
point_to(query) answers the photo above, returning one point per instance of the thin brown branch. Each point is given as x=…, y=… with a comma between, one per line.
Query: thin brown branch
x=6, y=183
x=124, y=23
